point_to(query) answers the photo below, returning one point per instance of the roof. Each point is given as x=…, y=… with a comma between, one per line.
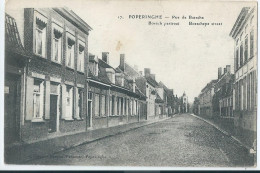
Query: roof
x=151, y=81
x=73, y=18
x=210, y=84
x=239, y=21
x=158, y=99
x=12, y=38
x=168, y=91
x=129, y=74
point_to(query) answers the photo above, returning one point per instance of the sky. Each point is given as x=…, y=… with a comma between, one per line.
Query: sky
x=185, y=58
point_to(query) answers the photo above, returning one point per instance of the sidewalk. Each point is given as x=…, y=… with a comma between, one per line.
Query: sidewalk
x=20, y=154
x=226, y=126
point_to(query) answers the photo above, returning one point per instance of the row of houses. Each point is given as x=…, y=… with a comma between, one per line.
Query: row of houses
x=54, y=86
x=234, y=94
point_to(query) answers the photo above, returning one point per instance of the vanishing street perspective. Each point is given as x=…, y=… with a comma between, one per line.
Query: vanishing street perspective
x=67, y=105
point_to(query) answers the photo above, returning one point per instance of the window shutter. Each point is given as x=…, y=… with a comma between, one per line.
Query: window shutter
x=29, y=99
x=76, y=115
x=47, y=100
x=63, y=102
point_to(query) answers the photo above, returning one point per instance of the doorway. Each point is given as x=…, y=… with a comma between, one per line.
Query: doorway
x=53, y=113
x=12, y=103
x=90, y=113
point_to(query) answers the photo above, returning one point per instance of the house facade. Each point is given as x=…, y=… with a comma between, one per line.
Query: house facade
x=55, y=78
x=114, y=98
x=223, y=97
x=16, y=58
x=205, y=99
x=244, y=33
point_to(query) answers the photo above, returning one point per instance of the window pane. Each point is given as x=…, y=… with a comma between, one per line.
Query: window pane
x=37, y=105
x=39, y=41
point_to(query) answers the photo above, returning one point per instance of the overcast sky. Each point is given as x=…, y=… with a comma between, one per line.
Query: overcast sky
x=183, y=57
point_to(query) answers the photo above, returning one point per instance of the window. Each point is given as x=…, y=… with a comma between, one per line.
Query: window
x=251, y=20
x=96, y=104
x=251, y=43
x=56, y=43
x=70, y=52
x=40, y=34
x=69, y=102
x=103, y=105
x=38, y=91
x=241, y=54
x=246, y=49
x=113, y=106
x=80, y=63
x=236, y=60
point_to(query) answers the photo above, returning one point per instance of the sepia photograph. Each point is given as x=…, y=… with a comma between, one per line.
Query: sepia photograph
x=135, y=84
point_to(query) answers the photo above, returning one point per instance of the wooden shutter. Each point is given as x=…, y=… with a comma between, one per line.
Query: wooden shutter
x=29, y=98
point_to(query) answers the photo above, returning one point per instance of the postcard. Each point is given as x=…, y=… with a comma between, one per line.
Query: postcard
x=154, y=84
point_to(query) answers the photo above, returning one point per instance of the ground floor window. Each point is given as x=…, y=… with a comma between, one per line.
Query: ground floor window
x=69, y=102
x=103, y=105
x=96, y=104
x=38, y=95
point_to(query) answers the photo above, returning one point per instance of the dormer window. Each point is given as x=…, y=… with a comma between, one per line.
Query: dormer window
x=70, y=51
x=56, y=43
x=40, y=34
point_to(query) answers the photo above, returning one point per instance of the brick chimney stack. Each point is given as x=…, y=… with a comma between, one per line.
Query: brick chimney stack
x=105, y=57
x=219, y=72
x=228, y=67
x=153, y=76
x=122, y=62
x=147, y=72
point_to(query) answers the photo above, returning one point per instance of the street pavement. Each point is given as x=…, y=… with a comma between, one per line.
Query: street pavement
x=182, y=141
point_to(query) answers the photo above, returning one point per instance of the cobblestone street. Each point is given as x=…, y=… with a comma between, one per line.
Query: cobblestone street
x=180, y=141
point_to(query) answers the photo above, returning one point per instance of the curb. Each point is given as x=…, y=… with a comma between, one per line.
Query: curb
x=224, y=132
x=93, y=140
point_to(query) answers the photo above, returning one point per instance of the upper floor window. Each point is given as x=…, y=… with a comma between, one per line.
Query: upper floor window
x=56, y=43
x=246, y=49
x=246, y=29
x=251, y=20
x=251, y=43
x=70, y=51
x=40, y=34
x=80, y=63
x=241, y=54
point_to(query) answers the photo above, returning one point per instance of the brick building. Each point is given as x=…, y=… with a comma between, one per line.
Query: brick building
x=205, y=99
x=223, y=97
x=16, y=58
x=114, y=98
x=55, y=79
x=244, y=33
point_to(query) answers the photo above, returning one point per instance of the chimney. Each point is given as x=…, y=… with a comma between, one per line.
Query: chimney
x=134, y=85
x=228, y=67
x=141, y=73
x=122, y=62
x=153, y=76
x=105, y=57
x=147, y=72
x=219, y=72
x=136, y=67
x=225, y=70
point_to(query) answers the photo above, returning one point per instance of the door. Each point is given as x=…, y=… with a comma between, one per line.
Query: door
x=12, y=103
x=53, y=113
x=90, y=113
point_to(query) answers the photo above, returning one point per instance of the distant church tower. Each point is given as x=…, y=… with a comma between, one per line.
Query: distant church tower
x=185, y=102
